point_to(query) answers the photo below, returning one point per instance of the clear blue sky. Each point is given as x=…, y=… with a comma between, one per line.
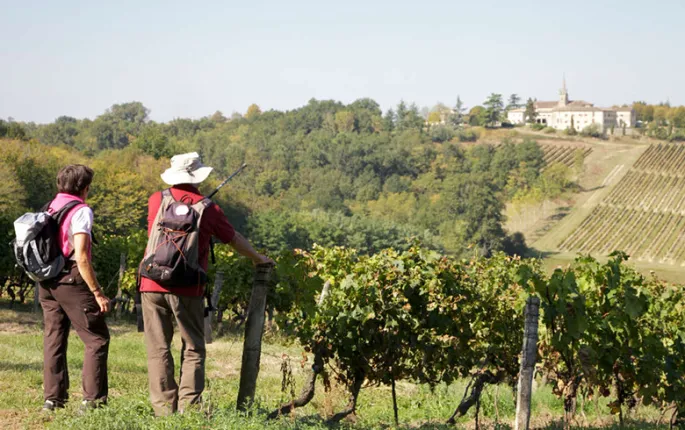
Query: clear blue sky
x=189, y=59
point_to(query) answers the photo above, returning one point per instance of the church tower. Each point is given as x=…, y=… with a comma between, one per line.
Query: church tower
x=563, y=94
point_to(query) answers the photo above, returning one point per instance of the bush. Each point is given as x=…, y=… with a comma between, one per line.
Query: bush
x=591, y=130
x=549, y=130
x=467, y=136
x=677, y=136
x=441, y=133
x=537, y=127
x=570, y=131
x=660, y=133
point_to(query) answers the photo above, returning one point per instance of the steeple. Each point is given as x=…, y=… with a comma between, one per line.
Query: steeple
x=563, y=93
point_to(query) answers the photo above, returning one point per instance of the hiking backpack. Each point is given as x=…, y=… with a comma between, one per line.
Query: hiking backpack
x=172, y=253
x=36, y=246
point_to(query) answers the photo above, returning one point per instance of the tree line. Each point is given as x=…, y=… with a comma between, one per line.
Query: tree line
x=325, y=173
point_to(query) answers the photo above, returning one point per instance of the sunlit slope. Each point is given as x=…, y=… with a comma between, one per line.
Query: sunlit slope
x=643, y=214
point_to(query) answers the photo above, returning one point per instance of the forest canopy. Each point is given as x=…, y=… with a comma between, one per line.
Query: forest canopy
x=326, y=173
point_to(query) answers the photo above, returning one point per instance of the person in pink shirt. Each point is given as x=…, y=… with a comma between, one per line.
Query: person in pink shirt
x=74, y=299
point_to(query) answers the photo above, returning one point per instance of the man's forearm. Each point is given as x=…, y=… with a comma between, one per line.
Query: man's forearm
x=88, y=274
x=244, y=247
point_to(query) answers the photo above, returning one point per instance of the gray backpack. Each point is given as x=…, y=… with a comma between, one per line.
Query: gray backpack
x=172, y=253
x=36, y=246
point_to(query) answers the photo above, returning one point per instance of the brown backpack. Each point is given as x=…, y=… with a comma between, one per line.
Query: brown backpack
x=171, y=255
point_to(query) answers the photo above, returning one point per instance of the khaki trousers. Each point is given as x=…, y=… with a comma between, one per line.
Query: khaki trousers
x=159, y=312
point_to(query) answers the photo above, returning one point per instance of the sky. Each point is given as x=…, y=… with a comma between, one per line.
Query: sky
x=190, y=59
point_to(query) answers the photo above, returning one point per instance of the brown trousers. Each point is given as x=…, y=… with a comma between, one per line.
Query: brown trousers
x=66, y=302
x=159, y=312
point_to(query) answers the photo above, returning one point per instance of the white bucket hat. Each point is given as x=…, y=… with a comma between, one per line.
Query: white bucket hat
x=186, y=169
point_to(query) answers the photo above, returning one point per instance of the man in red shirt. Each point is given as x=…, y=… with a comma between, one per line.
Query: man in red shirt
x=162, y=305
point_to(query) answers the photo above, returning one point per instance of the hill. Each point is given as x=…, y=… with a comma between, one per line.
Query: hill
x=632, y=199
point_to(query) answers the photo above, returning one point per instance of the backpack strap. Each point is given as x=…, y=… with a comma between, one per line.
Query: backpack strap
x=167, y=193
x=60, y=214
x=204, y=203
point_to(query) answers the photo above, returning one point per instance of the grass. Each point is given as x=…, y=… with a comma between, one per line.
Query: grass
x=129, y=407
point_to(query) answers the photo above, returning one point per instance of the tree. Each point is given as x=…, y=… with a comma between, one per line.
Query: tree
x=15, y=131
x=408, y=117
x=661, y=112
x=643, y=111
x=154, y=142
x=456, y=117
x=676, y=116
x=434, y=117
x=389, y=120
x=253, y=111
x=367, y=114
x=400, y=115
x=11, y=193
x=473, y=200
x=344, y=121
x=131, y=112
x=530, y=115
x=514, y=102
x=477, y=116
x=493, y=109
x=438, y=114
x=218, y=117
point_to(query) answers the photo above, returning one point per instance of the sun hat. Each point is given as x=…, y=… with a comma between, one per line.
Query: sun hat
x=186, y=169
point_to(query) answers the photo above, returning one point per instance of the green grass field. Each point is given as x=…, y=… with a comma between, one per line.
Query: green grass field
x=129, y=408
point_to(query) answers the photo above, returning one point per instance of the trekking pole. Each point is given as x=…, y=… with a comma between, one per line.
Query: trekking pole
x=209, y=308
x=216, y=190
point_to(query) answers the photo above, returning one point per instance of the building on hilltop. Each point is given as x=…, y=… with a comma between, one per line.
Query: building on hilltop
x=563, y=113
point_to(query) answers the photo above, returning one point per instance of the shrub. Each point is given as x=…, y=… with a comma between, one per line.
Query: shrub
x=677, y=136
x=550, y=130
x=537, y=127
x=467, y=135
x=591, y=130
x=441, y=133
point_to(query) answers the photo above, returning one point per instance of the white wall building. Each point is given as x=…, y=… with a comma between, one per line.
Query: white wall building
x=564, y=113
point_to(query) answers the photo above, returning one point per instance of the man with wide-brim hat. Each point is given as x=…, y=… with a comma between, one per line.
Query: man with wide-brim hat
x=186, y=169
x=168, y=293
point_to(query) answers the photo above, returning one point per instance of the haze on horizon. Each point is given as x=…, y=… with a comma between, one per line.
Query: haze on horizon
x=77, y=58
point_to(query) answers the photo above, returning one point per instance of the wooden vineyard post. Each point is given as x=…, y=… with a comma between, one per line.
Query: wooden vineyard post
x=254, y=329
x=118, y=301
x=529, y=353
x=209, y=318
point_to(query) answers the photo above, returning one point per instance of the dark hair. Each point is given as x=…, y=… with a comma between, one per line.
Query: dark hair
x=73, y=179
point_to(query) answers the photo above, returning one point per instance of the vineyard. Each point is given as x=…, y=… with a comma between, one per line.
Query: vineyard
x=371, y=320
x=644, y=214
x=566, y=154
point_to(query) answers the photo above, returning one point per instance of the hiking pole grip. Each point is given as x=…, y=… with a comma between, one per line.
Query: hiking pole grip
x=216, y=190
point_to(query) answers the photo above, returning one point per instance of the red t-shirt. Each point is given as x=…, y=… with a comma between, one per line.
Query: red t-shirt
x=214, y=223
